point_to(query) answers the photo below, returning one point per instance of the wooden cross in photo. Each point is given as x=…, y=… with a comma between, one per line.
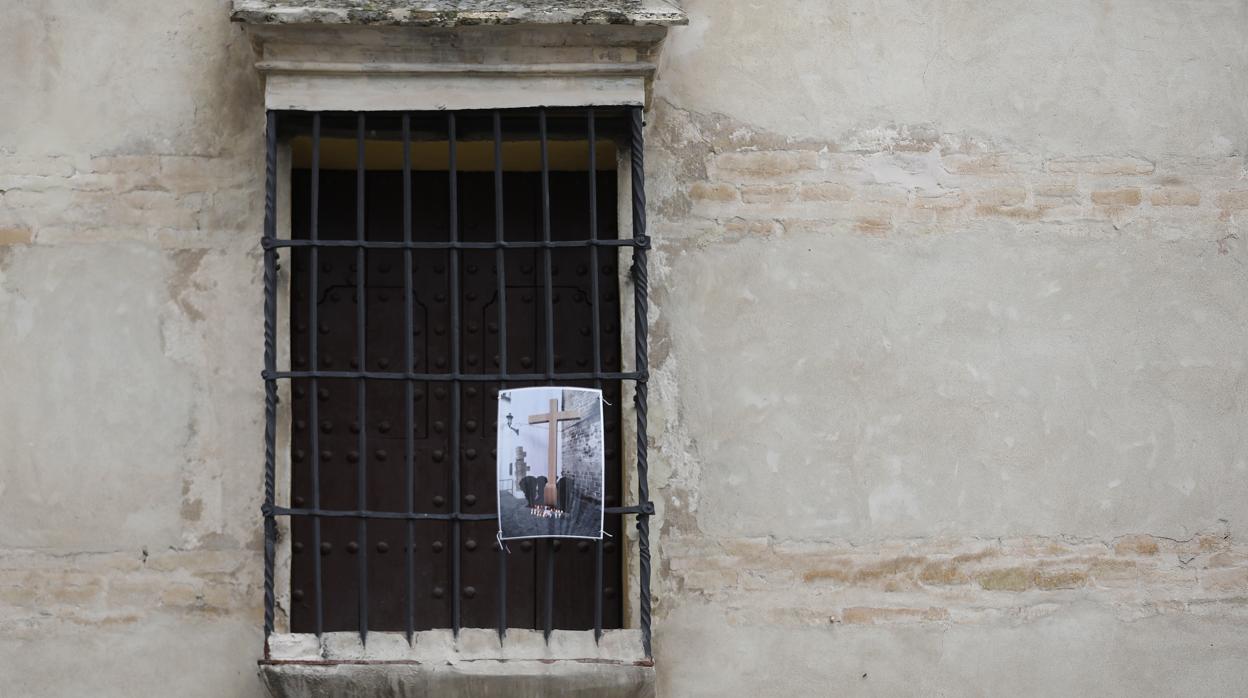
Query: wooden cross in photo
x=551, y=495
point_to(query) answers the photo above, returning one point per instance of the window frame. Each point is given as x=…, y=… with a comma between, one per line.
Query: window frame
x=276, y=510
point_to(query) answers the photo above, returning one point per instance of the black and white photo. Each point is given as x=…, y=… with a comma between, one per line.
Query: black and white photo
x=550, y=463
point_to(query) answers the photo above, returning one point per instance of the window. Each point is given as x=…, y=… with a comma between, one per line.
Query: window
x=434, y=258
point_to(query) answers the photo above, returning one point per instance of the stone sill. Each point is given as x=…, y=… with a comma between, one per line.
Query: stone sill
x=438, y=664
x=455, y=13
x=488, y=678
x=473, y=644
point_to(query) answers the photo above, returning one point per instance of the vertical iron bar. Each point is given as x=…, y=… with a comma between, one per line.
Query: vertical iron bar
x=270, y=366
x=409, y=396
x=501, y=279
x=455, y=396
x=641, y=307
x=361, y=391
x=548, y=284
x=550, y=588
x=314, y=423
x=597, y=341
x=547, y=279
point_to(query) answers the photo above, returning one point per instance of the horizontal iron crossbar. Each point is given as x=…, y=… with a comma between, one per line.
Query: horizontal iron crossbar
x=454, y=377
x=646, y=509
x=460, y=245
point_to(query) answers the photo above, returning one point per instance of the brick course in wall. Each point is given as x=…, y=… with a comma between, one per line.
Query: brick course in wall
x=901, y=181
x=965, y=581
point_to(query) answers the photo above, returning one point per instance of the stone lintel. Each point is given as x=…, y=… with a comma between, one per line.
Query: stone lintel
x=455, y=13
x=340, y=55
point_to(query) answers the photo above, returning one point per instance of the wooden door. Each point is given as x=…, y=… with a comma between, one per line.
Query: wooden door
x=385, y=428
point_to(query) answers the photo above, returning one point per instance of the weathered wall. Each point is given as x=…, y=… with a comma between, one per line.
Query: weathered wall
x=949, y=350
x=130, y=162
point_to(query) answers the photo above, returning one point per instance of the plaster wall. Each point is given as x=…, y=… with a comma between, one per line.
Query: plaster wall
x=950, y=348
x=131, y=157
x=949, y=351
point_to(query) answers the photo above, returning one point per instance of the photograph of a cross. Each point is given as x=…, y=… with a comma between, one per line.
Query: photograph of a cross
x=551, y=495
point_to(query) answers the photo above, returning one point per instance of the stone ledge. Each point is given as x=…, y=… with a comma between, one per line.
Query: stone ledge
x=442, y=647
x=412, y=55
x=474, y=663
x=515, y=679
x=456, y=13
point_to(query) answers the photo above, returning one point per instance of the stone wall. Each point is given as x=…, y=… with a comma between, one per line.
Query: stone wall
x=131, y=174
x=948, y=349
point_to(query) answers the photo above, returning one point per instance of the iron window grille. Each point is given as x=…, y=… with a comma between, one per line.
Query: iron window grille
x=629, y=123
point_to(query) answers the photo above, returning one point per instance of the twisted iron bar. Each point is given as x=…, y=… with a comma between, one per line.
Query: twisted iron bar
x=641, y=283
x=270, y=365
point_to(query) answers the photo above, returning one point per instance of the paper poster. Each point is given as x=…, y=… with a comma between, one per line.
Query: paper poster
x=550, y=463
